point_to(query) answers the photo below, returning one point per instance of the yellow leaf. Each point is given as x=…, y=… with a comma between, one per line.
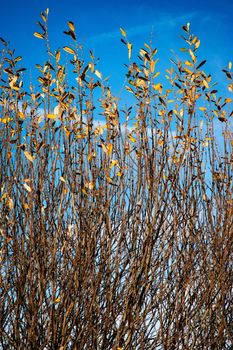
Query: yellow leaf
x=202, y=108
x=28, y=188
x=152, y=66
x=62, y=179
x=89, y=185
x=157, y=86
x=5, y=120
x=123, y=32
x=58, y=55
x=230, y=65
x=129, y=46
x=197, y=44
x=107, y=149
x=131, y=138
x=21, y=115
x=38, y=35
x=109, y=180
x=57, y=300
x=201, y=125
x=205, y=84
x=228, y=100
x=28, y=156
x=192, y=55
x=113, y=163
x=71, y=26
x=91, y=66
x=69, y=50
x=188, y=63
x=156, y=74
x=188, y=71
x=98, y=74
x=51, y=116
x=84, y=191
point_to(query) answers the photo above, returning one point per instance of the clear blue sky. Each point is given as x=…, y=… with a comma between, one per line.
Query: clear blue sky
x=97, y=25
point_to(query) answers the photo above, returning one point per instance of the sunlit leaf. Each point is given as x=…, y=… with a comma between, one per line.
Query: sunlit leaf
x=27, y=188
x=157, y=86
x=129, y=46
x=62, y=179
x=107, y=149
x=123, y=32
x=98, y=74
x=192, y=55
x=6, y=120
x=51, y=116
x=69, y=50
x=28, y=156
x=58, y=55
x=38, y=35
x=71, y=26
x=205, y=84
x=21, y=115
x=132, y=139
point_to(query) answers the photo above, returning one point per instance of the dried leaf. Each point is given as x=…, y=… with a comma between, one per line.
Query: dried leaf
x=28, y=156
x=5, y=120
x=51, y=116
x=129, y=46
x=38, y=35
x=71, y=26
x=123, y=32
x=27, y=188
x=69, y=50
x=98, y=74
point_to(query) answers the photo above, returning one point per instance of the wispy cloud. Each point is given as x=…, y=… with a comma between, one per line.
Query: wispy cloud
x=166, y=21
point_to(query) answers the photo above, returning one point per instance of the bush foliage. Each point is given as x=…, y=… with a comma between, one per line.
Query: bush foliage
x=116, y=222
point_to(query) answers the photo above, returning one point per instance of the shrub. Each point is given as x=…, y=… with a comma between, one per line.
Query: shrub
x=115, y=234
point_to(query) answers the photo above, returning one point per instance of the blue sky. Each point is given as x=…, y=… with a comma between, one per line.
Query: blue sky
x=97, y=26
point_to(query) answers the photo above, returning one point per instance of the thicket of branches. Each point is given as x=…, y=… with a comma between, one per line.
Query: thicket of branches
x=115, y=234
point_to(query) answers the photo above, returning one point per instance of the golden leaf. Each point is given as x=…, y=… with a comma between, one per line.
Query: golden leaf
x=202, y=108
x=123, y=32
x=107, y=149
x=205, y=84
x=51, y=116
x=28, y=156
x=192, y=55
x=62, y=179
x=98, y=74
x=38, y=35
x=21, y=115
x=57, y=300
x=188, y=63
x=71, y=26
x=113, y=163
x=5, y=120
x=28, y=188
x=58, y=55
x=157, y=86
x=197, y=44
x=129, y=46
x=131, y=138
x=69, y=50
